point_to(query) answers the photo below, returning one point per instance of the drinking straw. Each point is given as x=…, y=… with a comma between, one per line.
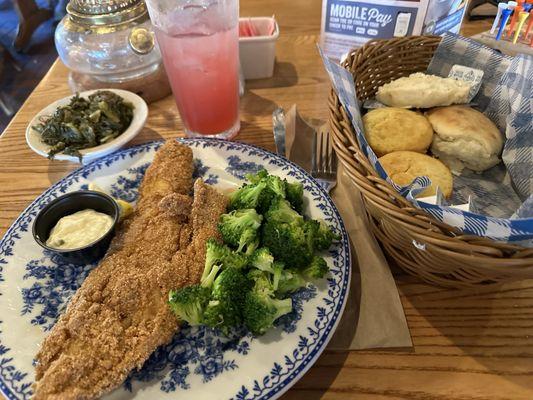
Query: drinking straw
x=521, y=19
x=501, y=7
x=514, y=18
x=529, y=25
x=505, y=17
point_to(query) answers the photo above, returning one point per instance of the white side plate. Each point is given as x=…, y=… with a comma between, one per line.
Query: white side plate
x=140, y=113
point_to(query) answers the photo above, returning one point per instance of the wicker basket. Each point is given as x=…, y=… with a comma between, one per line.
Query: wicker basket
x=437, y=253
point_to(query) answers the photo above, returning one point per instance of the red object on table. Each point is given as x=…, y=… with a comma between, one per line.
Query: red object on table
x=514, y=17
x=248, y=29
x=529, y=25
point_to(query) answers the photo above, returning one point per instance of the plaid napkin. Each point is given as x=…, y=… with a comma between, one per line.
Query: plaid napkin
x=495, y=198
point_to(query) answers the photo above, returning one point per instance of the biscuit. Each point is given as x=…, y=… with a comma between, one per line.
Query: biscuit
x=394, y=129
x=404, y=166
x=465, y=137
x=423, y=91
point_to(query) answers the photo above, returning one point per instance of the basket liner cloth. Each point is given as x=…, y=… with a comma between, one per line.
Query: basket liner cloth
x=505, y=97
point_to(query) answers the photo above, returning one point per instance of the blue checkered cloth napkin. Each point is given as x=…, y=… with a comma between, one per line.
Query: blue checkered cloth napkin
x=493, y=190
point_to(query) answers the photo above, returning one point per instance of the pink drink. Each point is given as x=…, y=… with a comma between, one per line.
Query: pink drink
x=200, y=49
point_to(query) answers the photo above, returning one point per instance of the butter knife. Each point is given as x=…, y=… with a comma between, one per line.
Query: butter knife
x=278, y=126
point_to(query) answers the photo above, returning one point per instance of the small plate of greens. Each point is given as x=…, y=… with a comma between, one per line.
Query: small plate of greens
x=88, y=125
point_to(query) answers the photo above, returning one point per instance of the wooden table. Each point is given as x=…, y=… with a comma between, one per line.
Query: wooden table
x=466, y=345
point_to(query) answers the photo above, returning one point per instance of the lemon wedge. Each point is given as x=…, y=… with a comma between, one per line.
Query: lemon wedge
x=125, y=207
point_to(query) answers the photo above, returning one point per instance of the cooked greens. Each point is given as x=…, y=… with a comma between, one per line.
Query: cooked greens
x=85, y=123
x=269, y=251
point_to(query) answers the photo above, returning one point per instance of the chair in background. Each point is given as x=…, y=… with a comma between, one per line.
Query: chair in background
x=30, y=17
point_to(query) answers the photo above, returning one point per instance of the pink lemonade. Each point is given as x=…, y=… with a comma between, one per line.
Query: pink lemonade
x=204, y=76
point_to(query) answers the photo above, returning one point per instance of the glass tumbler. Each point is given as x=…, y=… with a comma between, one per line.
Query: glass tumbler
x=199, y=42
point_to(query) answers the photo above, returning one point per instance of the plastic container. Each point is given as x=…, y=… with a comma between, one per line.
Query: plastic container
x=257, y=53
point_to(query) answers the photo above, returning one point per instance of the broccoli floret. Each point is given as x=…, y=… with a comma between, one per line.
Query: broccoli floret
x=214, y=254
x=261, y=310
x=258, y=177
x=262, y=259
x=271, y=186
x=235, y=260
x=287, y=242
x=239, y=228
x=217, y=253
x=230, y=284
x=222, y=315
x=286, y=235
x=227, y=300
x=290, y=280
x=294, y=193
x=262, y=281
x=189, y=303
x=324, y=236
x=208, y=276
x=277, y=270
x=280, y=210
x=318, y=268
x=248, y=196
x=275, y=185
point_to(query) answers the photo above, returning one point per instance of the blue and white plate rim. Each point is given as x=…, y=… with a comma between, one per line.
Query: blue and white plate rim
x=282, y=386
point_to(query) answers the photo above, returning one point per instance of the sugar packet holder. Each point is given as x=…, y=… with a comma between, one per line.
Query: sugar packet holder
x=503, y=229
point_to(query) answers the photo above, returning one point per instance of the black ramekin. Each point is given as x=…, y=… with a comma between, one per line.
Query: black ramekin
x=69, y=204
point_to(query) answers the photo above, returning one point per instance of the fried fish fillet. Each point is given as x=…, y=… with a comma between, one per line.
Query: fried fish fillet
x=119, y=316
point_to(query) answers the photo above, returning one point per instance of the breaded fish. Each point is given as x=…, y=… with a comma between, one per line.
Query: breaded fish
x=119, y=315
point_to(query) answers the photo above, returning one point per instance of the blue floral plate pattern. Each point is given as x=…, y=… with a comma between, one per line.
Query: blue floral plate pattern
x=199, y=363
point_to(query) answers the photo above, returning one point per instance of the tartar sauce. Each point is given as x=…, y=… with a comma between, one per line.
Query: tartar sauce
x=79, y=229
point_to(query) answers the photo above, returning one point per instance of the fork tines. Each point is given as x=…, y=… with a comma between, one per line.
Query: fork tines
x=324, y=159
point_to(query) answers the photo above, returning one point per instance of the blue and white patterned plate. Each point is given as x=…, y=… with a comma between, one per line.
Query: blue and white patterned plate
x=199, y=363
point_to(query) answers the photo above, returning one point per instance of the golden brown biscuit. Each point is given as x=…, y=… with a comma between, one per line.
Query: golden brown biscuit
x=464, y=137
x=404, y=166
x=395, y=129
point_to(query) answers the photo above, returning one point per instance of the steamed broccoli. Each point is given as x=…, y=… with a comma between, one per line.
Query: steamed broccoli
x=230, y=284
x=285, y=234
x=228, y=257
x=276, y=186
x=277, y=271
x=262, y=259
x=261, y=310
x=317, y=268
x=214, y=254
x=209, y=275
x=262, y=281
x=189, y=303
x=264, y=187
x=258, y=177
x=239, y=228
x=247, y=196
x=222, y=256
x=290, y=280
x=294, y=193
x=324, y=236
x=227, y=299
x=280, y=210
x=243, y=283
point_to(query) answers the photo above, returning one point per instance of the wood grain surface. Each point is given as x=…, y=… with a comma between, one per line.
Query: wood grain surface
x=467, y=345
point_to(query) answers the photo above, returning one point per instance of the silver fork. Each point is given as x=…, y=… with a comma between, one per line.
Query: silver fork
x=323, y=161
